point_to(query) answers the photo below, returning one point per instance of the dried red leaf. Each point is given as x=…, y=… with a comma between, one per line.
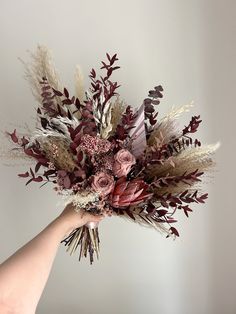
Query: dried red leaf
x=57, y=92
x=13, y=136
x=24, y=175
x=67, y=102
x=161, y=212
x=38, y=165
x=30, y=180
x=174, y=231
x=38, y=179
x=32, y=173
x=66, y=93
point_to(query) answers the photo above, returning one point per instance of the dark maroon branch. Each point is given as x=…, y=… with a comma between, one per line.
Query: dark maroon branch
x=149, y=109
x=188, y=178
x=126, y=124
x=104, y=86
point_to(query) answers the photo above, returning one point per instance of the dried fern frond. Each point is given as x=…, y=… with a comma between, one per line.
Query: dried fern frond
x=167, y=127
x=79, y=84
x=41, y=65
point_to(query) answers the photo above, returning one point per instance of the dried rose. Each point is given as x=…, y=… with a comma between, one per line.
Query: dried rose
x=103, y=183
x=124, y=160
x=63, y=179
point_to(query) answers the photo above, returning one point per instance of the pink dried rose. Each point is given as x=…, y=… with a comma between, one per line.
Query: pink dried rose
x=124, y=160
x=63, y=179
x=103, y=183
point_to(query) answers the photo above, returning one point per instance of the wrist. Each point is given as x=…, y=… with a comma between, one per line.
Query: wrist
x=64, y=227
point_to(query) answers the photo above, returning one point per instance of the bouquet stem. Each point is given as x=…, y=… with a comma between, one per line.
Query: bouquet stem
x=87, y=239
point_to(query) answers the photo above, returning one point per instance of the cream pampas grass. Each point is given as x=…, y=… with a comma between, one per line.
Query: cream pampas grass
x=39, y=66
x=79, y=84
x=167, y=127
x=190, y=159
x=187, y=160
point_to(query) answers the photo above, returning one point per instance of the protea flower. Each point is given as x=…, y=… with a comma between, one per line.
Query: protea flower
x=128, y=193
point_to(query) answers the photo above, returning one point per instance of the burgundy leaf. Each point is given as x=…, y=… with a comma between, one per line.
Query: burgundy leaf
x=38, y=165
x=129, y=213
x=13, y=136
x=80, y=156
x=57, y=92
x=32, y=173
x=67, y=102
x=30, y=180
x=69, y=115
x=162, y=212
x=77, y=103
x=108, y=57
x=49, y=172
x=38, y=179
x=66, y=93
x=44, y=122
x=174, y=231
x=186, y=209
x=24, y=175
x=184, y=193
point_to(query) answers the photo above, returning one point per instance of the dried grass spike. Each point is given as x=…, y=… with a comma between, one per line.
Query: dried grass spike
x=79, y=83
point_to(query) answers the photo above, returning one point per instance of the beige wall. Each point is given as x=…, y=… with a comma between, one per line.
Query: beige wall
x=188, y=47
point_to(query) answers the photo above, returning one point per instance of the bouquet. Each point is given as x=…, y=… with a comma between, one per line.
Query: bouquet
x=107, y=157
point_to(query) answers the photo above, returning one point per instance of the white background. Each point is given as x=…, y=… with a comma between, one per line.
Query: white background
x=189, y=48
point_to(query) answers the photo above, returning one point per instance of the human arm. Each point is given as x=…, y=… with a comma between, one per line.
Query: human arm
x=24, y=274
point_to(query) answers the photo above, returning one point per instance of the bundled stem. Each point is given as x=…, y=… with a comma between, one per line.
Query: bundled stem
x=88, y=240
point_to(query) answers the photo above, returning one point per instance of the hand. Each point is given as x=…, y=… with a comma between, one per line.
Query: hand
x=74, y=219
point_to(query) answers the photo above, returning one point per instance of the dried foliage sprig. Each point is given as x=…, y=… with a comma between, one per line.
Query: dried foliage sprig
x=149, y=106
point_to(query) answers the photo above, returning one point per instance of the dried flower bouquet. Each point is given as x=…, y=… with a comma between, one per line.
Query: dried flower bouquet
x=108, y=157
